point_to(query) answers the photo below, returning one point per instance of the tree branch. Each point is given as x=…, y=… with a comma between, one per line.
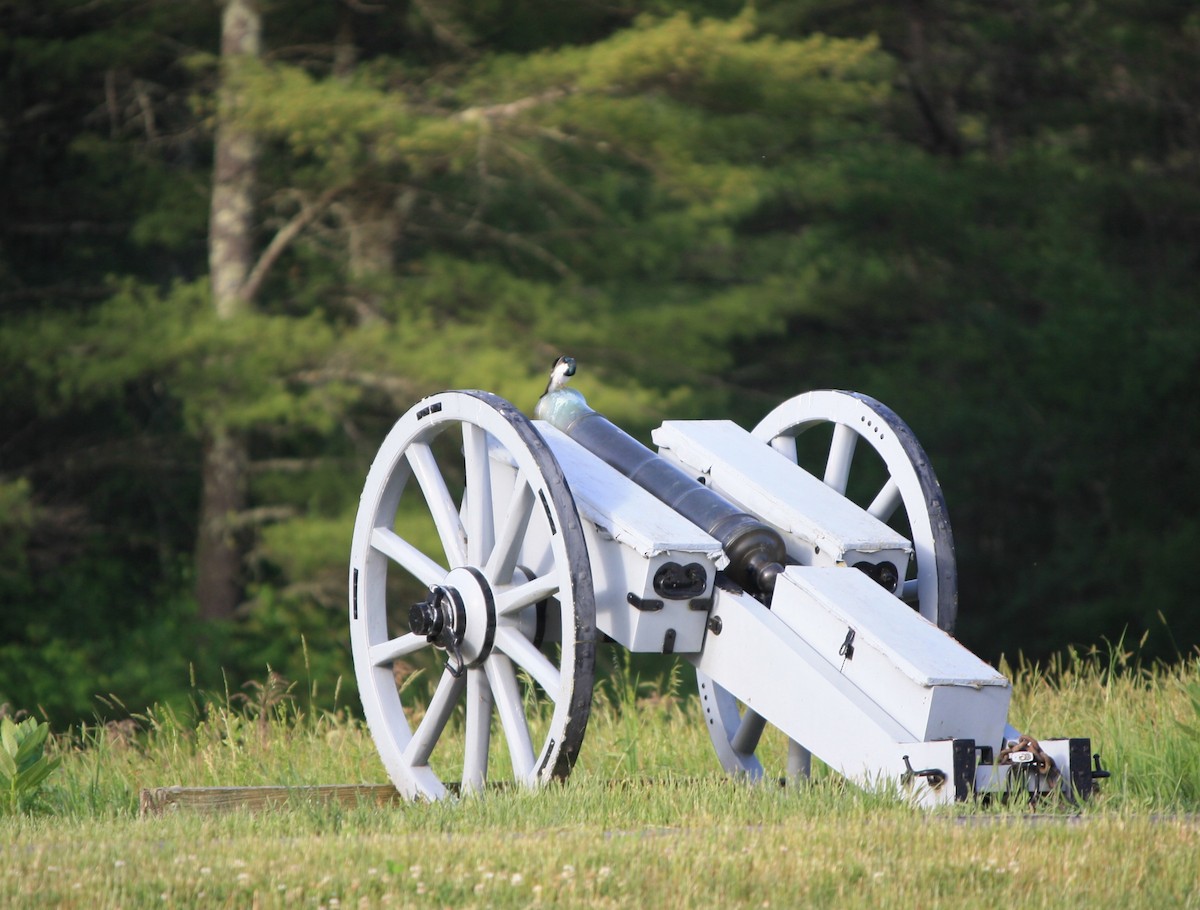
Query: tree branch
x=289, y=465
x=560, y=187
x=282, y=239
x=261, y=515
x=398, y=387
x=505, y=238
x=510, y=108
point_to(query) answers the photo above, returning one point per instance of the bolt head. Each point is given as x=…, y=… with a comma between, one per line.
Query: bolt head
x=427, y=618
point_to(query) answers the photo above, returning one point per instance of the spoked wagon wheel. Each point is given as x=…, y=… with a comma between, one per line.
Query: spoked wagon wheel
x=907, y=496
x=500, y=605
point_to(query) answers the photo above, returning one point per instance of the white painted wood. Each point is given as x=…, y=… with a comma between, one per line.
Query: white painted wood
x=517, y=528
x=767, y=484
x=623, y=509
x=760, y=660
x=630, y=536
x=918, y=674
x=934, y=589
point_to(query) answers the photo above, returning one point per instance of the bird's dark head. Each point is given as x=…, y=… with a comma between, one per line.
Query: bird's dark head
x=559, y=402
x=563, y=369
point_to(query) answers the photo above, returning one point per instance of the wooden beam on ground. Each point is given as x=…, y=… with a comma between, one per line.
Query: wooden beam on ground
x=157, y=800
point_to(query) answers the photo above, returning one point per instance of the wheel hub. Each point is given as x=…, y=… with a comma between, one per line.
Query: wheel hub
x=458, y=616
x=437, y=613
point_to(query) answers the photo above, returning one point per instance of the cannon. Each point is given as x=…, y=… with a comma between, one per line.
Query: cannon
x=497, y=551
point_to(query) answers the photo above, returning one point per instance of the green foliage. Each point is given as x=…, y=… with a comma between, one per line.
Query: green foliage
x=24, y=766
x=983, y=216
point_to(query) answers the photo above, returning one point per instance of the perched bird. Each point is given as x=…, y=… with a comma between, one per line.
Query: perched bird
x=558, y=400
x=563, y=370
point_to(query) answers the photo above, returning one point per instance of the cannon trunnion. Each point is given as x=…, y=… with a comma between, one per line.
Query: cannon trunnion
x=520, y=543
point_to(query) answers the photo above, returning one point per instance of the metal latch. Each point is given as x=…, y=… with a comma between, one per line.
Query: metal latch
x=935, y=776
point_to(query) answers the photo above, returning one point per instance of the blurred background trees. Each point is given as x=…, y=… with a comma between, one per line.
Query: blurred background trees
x=227, y=265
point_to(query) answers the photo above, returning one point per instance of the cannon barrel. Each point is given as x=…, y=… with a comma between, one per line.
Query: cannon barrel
x=756, y=551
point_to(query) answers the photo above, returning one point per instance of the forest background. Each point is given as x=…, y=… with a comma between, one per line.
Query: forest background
x=239, y=239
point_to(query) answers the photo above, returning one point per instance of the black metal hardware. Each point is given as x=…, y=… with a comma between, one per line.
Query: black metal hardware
x=549, y=515
x=428, y=617
x=847, y=648
x=935, y=776
x=1080, y=783
x=676, y=582
x=458, y=671
x=884, y=574
x=646, y=605
x=715, y=625
x=964, y=768
x=432, y=409
x=669, y=642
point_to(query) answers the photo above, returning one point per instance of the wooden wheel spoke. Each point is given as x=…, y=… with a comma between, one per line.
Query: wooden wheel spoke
x=388, y=651
x=531, y=660
x=749, y=732
x=478, y=496
x=440, y=502
x=511, y=708
x=408, y=557
x=886, y=501
x=478, y=730
x=786, y=446
x=438, y=712
x=527, y=594
x=503, y=559
x=841, y=454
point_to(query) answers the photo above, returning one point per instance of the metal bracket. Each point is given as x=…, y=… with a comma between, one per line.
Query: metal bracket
x=847, y=648
x=646, y=605
x=458, y=671
x=935, y=776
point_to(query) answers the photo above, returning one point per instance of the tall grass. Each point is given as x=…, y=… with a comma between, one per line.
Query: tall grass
x=1142, y=717
x=647, y=817
x=266, y=732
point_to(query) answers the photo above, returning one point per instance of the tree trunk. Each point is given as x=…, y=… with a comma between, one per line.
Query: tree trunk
x=230, y=261
x=218, y=556
x=231, y=220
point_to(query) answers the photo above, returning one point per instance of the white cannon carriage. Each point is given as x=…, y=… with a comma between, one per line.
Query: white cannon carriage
x=801, y=610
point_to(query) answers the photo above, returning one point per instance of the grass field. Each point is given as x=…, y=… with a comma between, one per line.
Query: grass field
x=646, y=820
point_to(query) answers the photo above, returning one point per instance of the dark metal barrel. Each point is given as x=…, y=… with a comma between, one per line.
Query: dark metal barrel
x=756, y=551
